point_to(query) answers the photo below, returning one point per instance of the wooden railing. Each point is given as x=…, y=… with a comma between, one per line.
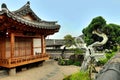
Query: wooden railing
x=13, y=62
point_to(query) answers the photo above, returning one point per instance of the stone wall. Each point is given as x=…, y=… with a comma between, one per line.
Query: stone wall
x=111, y=70
x=56, y=53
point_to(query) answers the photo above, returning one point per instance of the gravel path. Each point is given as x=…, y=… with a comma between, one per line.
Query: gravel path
x=49, y=71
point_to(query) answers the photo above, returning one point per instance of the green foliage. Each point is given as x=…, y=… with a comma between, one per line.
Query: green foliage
x=61, y=61
x=69, y=40
x=78, y=51
x=81, y=75
x=65, y=62
x=99, y=24
x=68, y=62
x=95, y=24
x=118, y=47
x=77, y=63
x=108, y=55
x=102, y=61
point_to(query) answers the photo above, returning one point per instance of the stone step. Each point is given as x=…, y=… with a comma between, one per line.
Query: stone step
x=3, y=73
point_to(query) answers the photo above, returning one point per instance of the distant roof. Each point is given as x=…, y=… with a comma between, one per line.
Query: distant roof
x=54, y=42
x=25, y=10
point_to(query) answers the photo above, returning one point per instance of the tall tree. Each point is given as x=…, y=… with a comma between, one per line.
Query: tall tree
x=99, y=24
x=96, y=24
x=69, y=40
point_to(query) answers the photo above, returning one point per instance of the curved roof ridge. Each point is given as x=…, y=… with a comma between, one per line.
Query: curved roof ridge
x=35, y=23
x=24, y=10
x=26, y=6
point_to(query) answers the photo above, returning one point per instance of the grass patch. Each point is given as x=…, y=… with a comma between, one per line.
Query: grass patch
x=81, y=75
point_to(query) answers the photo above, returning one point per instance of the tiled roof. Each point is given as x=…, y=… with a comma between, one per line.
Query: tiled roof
x=16, y=15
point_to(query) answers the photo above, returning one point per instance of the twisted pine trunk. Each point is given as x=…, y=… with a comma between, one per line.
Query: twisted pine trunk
x=63, y=51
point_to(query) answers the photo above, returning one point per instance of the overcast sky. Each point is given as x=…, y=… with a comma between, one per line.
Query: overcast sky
x=72, y=15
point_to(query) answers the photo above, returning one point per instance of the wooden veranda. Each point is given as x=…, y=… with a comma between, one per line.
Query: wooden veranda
x=16, y=51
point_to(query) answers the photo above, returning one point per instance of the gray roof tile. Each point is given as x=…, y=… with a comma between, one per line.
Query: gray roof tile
x=16, y=15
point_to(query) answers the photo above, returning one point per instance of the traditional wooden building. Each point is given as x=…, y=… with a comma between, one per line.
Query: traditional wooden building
x=22, y=36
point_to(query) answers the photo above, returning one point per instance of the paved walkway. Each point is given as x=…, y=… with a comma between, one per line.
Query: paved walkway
x=49, y=71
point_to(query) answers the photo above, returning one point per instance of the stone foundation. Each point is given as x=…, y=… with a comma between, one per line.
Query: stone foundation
x=12, y=71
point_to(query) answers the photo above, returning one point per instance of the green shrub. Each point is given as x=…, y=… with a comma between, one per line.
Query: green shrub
x=115, y=48
x=61, y=61
x=108, y=55
x=78, y=51
x=77, y=63
x=69, y=62
x=102, y=61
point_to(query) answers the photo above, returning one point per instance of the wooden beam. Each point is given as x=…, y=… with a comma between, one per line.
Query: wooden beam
x=43, y=44
x=32, y=52
x=12, y=42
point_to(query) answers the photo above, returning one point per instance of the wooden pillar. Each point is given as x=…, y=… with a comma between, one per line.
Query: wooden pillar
x=12, y=42
x=32, y=49
x=43, y=44
x=2, y=47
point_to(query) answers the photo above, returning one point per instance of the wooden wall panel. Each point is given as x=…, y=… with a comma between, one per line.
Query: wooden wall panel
x=8, y=52
x=36, y=46
x=16, y=48
x=28, y=47
x=23, y=46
